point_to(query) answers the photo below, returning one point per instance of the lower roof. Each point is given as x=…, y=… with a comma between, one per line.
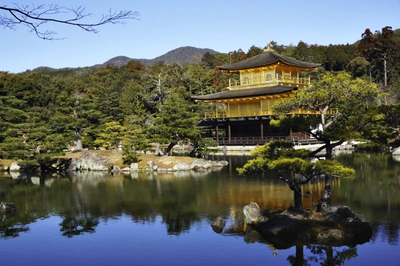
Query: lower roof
x=234, y=94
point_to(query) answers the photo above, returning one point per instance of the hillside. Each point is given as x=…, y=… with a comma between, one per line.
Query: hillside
x=186, y=54
x=180, y=55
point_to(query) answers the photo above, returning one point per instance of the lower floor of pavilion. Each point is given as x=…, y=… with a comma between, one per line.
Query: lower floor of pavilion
x=249, y=131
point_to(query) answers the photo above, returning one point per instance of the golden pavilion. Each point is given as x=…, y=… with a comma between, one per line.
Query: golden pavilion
x=243, y=111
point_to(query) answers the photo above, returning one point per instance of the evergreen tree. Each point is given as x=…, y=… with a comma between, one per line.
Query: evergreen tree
x=33, y=144
x=136, y=138
x=383, y=52
x=283, y=158
x=12, y=112
x=346, y=108
x=253, y=51
x=111, y=136
x=175, y=123
x=343, y=107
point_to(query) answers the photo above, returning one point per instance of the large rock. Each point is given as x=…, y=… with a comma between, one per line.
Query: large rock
x=200, y=165
x=285, y=229
x=153, y=166
x=134, y=167
x=218, y=225
x=396, y=151
x=7, y=207
x=89, y=161
x=219, y=163
x=180, y=167
x=116, y=169
x=15, y=167
x=254, y=214
x=17, y=175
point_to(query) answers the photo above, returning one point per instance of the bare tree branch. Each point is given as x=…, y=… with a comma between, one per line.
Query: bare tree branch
x=36, y=16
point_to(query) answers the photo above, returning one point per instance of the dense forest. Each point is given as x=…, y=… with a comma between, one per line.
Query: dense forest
x=44, y=112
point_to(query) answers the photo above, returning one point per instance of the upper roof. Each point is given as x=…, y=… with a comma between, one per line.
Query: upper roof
x=233, y=94
x=265, y=59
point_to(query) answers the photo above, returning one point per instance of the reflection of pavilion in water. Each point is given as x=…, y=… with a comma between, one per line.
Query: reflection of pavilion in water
x=277, y=197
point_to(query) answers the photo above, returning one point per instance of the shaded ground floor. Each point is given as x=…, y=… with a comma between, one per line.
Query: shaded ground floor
x=249, y=131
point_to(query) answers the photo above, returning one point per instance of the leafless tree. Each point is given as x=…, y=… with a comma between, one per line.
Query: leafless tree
x=35, y=16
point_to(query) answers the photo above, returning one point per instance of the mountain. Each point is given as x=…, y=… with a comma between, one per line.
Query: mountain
x=117, y=61
x=186, y=54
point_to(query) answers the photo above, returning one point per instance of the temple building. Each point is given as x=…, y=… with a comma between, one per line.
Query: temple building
x=243, y=111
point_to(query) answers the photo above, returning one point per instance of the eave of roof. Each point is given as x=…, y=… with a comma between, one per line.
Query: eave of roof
x=267, y=59
x=234, y=94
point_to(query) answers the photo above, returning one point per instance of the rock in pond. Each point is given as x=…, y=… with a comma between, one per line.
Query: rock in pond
x=7, y=207
x=254, y=214
x=294, y=226
x=218, y=225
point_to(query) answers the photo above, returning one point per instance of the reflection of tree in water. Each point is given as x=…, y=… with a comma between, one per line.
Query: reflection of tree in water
x=178, y=206
x=73, y=226
x=9, y=228
x=387, y=231
x=12, y=231
x=177, y=218
x=318, y=253
x=323, y=254
x=178, y=222
x=392, y=230
x=298, y=259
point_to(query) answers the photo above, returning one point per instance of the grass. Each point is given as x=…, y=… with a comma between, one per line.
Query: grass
x=5, y=163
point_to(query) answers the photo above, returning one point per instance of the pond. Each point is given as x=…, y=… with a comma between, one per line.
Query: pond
x=165, y=219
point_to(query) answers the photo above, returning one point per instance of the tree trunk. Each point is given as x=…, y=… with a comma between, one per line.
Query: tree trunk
x=326, y=198
x=385, y=70
x=298, y=201
x=298, y=198
x=329, y=150
x=299, y=261
x=169, y=148
x=295, y=186
x=329, y=256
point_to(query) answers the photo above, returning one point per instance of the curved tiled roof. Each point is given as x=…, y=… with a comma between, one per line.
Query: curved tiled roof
x=233, y=94
x=266, y=59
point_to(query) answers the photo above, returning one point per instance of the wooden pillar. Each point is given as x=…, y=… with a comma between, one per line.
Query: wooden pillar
x=229, y=133
x=216, y=133
x=262, y=131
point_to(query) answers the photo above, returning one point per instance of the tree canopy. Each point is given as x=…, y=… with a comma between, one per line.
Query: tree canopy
x=343, y=108
x=43, y=111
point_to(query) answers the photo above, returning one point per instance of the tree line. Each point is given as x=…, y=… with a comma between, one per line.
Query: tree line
x=44, y=112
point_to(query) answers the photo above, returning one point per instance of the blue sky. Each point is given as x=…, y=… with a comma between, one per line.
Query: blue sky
x=165, y=25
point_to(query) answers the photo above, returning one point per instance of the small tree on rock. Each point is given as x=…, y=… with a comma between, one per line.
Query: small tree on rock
x=283, y=158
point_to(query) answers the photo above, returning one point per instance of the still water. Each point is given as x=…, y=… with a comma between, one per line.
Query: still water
x=165, y=219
